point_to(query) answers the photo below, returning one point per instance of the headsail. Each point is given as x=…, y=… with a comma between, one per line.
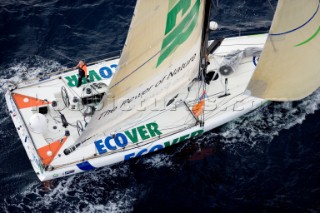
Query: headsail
x=289, y=66
x=160, y=58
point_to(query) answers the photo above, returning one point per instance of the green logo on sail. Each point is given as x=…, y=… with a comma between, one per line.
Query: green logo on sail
x=176, y=35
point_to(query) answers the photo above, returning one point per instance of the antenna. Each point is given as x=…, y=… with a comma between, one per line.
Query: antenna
x=225, y=89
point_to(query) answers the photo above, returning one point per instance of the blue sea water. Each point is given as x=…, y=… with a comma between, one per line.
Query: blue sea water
x=266, y=161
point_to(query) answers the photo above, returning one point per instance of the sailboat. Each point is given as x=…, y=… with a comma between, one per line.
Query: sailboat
x=170, y=84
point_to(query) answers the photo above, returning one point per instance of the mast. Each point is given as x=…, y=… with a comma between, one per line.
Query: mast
x=204, y=41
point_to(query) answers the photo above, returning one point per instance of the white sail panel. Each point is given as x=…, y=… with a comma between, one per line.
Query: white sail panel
x=157, y=30
x=289, y=66
x=160, y=58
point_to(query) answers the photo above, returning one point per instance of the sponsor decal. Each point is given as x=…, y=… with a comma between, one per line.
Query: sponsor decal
x=255, y=60
x=178, y=34
x=164, y=145
x=85, y=166
x=140, y=95
x=37, y=161
x=105, y=72
x=69, y=172
x=122, y=139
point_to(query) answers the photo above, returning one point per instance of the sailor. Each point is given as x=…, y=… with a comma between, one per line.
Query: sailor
x=83, y=72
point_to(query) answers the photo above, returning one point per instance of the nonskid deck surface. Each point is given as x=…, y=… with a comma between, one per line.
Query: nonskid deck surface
x=60, y=97
x=55, y=112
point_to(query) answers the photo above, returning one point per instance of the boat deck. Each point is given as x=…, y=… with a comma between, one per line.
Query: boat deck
x=56, y=111
x=50, y=115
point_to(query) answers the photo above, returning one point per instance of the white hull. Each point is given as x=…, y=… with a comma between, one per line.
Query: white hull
x=219, y=109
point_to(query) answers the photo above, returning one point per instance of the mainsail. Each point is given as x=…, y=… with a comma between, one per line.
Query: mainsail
x=161, y=57
x=289, y=66
x=157, y=29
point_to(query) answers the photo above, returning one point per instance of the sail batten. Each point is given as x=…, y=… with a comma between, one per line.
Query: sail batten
x=288, y=68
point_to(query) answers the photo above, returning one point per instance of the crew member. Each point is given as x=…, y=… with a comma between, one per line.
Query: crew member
x=83, y=72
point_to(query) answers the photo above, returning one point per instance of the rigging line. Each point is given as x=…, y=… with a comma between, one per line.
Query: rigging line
x=61, y=55
x=88, y=64
x=191, y=112
x=148, y=118
x=84, y=18
x=215, y=6
x=231, y=45
x=111, y=131
x=175, y=128
x=71, y=89
x=108, y=53
x=271, y=6
x=163, y=111
x=186, y=120
x=53, y=118
x=137, y=122
x=67, y=15
x=50, y=85
x=75, y=26
x=244, y=33
x=140, y=121
x=135, y=70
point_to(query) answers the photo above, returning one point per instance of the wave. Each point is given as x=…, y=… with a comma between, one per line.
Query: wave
x=262, y=125
x=101, y=190
x=29, y=68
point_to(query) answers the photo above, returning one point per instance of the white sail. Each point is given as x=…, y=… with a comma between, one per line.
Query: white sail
x=157, y=30
x=160, y=58
x=289, y=66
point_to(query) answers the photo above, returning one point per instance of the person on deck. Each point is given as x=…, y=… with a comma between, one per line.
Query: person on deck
x=83, y=72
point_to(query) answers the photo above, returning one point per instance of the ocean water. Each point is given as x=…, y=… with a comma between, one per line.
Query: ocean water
x=266, y=161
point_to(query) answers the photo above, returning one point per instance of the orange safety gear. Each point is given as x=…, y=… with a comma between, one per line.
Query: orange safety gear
x=84, y=68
